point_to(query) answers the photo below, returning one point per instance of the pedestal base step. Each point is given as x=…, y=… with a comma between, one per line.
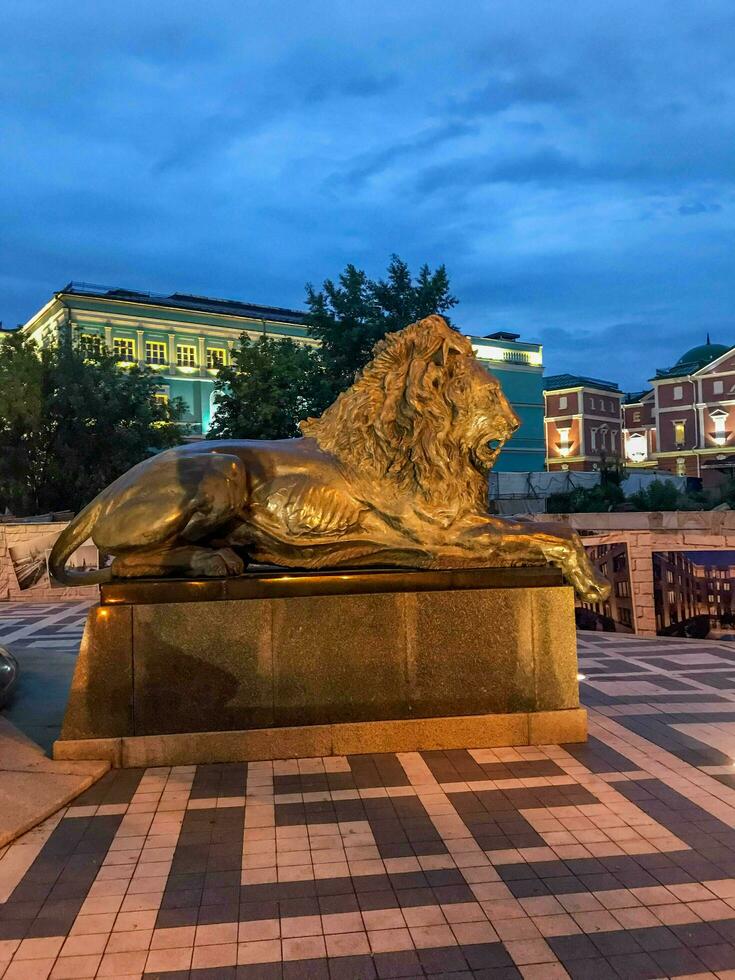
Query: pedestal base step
x=309, y=741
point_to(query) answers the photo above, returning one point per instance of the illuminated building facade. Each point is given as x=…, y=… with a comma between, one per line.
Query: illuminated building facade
x=187, y=338
x=685, y=423
x=582, y=421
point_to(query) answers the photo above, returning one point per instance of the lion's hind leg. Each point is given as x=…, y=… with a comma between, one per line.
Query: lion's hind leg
x=154, y=526
x=183, y=560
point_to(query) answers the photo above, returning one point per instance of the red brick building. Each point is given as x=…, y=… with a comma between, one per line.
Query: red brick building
x=685, y=423
x=583, y=421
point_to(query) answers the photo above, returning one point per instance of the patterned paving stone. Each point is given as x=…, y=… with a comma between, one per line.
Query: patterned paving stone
x=611, y=859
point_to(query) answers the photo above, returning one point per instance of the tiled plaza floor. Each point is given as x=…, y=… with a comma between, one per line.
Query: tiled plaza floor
x=610, y=859
x=45, y=639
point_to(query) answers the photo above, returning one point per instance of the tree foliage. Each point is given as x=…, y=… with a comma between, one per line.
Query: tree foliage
x=272, y=384
x=608, y=495
x=70, y=423
x=350, y=315
x=269, y=386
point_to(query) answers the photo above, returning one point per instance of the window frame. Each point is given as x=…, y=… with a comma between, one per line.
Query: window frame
x=129, y=343
x=181, y=361
x=94, y=349
x=164, y=352
x=211, y=366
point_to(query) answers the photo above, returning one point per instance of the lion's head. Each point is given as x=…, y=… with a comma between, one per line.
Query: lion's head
x=423, y=415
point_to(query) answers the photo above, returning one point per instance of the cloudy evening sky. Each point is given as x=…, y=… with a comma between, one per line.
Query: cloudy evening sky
x=572, y=163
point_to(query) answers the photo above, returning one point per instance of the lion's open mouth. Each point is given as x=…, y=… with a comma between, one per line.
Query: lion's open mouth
x=486, y=452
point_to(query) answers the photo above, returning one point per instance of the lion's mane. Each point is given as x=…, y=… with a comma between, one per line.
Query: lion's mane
x=400, y=422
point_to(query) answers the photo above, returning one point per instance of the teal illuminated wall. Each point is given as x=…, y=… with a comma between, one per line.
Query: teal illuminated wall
x=524, y=390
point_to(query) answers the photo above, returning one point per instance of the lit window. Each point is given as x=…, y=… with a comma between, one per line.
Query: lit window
x=562, y=401
x=564, y=444
x=719, y=420
x=215, y=357
x=679, y=433
x=161, y=397
x=678, y=393
x=155, y=352
x=124, y=349
x=717, y=387
x=681, y=466
x=186, y=355
x=90, y=344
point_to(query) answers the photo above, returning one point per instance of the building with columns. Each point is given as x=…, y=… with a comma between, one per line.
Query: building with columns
x=184, y=338
x=187, y=338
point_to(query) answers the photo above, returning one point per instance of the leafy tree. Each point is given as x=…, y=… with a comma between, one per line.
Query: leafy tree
x=349, y=316
x=22, y=373
x=70, y=423
x=606, y=496
x=267, y=389
x=599, y=499
x=272, y=384
x=659, y=495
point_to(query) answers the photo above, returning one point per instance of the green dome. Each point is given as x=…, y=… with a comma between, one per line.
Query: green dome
x=703, y=354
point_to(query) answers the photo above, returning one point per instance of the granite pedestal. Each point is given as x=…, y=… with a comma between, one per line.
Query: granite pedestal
x=282, y=664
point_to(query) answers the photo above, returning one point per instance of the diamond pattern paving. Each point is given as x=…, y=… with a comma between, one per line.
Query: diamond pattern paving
x=610, y=859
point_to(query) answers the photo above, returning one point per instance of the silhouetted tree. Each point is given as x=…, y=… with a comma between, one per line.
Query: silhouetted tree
x=269, y=386
x=349, y=316
x=71, y=422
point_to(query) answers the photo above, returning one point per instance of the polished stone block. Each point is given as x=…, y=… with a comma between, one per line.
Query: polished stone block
x=222, y=665
x=314, y=741
x=202, y=665
x=101, y=696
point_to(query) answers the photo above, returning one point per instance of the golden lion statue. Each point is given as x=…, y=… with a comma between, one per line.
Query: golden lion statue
x=393, y=473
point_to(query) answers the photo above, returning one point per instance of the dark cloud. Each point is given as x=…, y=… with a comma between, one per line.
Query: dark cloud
x=547, y=152
x=699, y=207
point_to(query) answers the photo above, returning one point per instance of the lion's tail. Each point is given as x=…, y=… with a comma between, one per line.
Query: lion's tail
x=66, y=544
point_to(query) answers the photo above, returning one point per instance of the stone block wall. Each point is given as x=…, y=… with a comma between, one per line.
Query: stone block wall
x=12, y=535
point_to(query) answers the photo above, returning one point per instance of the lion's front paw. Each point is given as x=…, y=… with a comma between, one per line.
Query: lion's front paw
x=215, y=564
x=590, y=586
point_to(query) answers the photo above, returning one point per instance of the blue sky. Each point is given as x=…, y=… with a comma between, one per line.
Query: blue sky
x=572, y=163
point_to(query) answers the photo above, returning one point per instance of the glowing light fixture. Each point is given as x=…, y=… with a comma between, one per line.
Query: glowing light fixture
x=564, y=446
x=635, y=447
x=719, y=419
